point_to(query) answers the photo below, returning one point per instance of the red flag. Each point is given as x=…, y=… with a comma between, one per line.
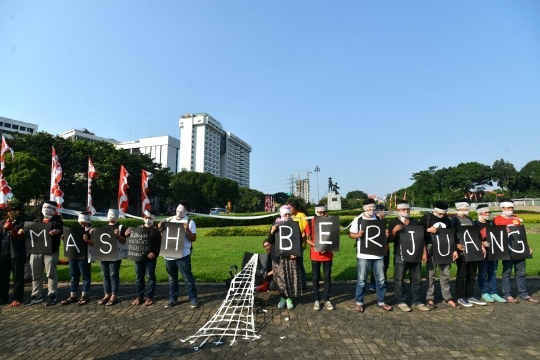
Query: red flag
x=92, y=174
x=5, y=148
x=405, y=195
x=123, y=200
x=57, y=195
x=144, y=191
x=5, y=191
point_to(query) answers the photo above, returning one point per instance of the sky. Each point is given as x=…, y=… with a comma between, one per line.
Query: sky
x=369, y=91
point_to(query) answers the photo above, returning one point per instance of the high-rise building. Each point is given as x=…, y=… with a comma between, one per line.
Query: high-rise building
x=86, y=135
x=162, y=149
x=206, y=147
x=10, y=126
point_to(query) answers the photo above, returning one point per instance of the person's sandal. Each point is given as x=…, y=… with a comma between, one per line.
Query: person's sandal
x=149, y=302
x=104, y=301
x=531, y=299
x=386, y=307
x=452, y=303
x=111, y=302
x=512, y=300
x=137, y=301
x=431, y=305
x=360, y=308
x=83, y=300
x=69, y=300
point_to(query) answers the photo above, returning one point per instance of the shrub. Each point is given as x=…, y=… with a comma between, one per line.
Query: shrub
x=98, y=223
x=261, y=230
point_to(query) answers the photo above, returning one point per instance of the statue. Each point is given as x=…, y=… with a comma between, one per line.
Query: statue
x=335, y=188
x=330, y=185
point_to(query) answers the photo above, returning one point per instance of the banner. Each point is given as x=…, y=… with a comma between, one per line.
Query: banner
x=374, y=240
x=38, y=240
x=92, y=174
x=469, y=236
x=74, y=244
x=444, y=246
x=497, y=237
x=172, y=240
x=411, y=242
x=123, y=201
x=138, y=244
x=517, y=243
x=325, y=233
x=105, y=244
x=145, y=201
x=56, y=195
x=288, y=239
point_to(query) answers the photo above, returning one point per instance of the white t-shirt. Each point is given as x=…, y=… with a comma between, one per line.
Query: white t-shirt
x=356, y=226
x=187, y=242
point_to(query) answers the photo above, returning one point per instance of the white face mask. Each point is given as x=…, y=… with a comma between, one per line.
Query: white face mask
x=438, y=215
x=149, y=221
x=181, y=212
x=47, y=210
x=404, y=214
x=463, y=212
x=507, y=212
x=483, y=217
x=369, y=213
x=112, y=215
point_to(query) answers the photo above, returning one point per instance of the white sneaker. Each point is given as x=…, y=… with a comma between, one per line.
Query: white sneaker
x=465, y=302
x=404, y=307
x=476, y=301
x=329, y=305
x=422, y=307
x=317, y=306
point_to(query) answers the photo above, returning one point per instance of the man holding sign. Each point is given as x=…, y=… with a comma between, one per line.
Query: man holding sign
x=508, y=219
x=365, y=260
x=321, y=257
x=407, y=243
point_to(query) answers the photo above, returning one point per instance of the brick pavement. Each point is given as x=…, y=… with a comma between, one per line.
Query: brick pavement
x=138, y=332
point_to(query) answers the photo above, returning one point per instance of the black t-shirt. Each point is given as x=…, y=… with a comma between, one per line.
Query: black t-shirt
x=428, y=220
x=391, y=225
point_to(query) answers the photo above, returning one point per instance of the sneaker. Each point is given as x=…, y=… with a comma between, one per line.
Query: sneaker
x=497, y=298
x=329, y=305
x=282, y=303
x=194, y=304
x=290, y=305
x=404, y=307
x=33, y=300
x=465, y=302
x=372, y=288
x=51, y=300
x=487, y=298
x=170, y=303
x=474, y=300
x=422, y=307
x=317, y=306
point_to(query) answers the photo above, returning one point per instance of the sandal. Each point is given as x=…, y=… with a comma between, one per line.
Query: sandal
x=431, y=304
x=531, y=299
x=137, y=301
x=69, y=300
x=104, y=301
x=452, y=303
x=360, y=308
x=512, y=300
x=386, y=307
x=83, y=300
x=111, y=302
x=149, y=302
x=15, y=303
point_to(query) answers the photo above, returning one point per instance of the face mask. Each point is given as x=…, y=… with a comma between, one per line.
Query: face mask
x=507, y=212
x=112, y=215
x=181, y=212
x=370, y=212
x=482, y=217
x=149, y=221
x=404, y=214
x=461, y=212
x=437, y=215
x=47, y=211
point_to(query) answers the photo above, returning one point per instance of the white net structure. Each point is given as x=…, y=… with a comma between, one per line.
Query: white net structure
x=234, y=317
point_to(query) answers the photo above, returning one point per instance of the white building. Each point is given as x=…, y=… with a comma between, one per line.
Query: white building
x=10, y=126
x=86, y=135
x=162, y=149
x=206, y=147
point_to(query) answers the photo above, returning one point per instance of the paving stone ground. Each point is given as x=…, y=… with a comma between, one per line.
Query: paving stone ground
x=123, y=331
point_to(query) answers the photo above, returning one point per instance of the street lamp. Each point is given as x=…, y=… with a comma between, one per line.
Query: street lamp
x=317, y=169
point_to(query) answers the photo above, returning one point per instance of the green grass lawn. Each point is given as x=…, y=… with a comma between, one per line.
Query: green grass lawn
x=212, y=257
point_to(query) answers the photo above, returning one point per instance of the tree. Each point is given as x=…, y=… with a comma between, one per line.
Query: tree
x=24, y=176
x=249, y=199
x=281, y=198
x=503, y=172
x=356, y=195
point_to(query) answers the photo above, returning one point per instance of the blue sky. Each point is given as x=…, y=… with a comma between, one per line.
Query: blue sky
x=369, y=91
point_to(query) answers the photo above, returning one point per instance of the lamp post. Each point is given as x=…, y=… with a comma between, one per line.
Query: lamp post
x=317, y=169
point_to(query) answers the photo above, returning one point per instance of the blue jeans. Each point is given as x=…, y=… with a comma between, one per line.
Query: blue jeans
x=184, y=265
x=110, y=270
x=520, y=267
x=380, y=285
x=487, y=268
x=148, y=267
x=76, y=269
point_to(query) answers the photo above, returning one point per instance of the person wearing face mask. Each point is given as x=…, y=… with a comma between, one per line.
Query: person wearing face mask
x=173, y=265
x=508, y=219
x=466, y=270
x=12, y=254
x=287, y=268
x=110, y=270
x=148, y=265
x=81, y=267
x=38, y=262
x=317, y=259
x=486, y=268
x=431, y=222
x=400, y=266
x=365, y=261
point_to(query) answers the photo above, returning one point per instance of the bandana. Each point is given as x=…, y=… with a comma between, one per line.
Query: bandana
x=460, y=205
x=285, y=209
x=440, y=211
x=84, y=218
x=506, y=204
x=319, y=210
x=147, y=214
x=403, y=206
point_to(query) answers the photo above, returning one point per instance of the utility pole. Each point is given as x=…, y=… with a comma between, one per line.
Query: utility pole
x=317, y=170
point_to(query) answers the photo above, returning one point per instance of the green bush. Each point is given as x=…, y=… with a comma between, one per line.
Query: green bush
x=98, y=223
x=260, y=230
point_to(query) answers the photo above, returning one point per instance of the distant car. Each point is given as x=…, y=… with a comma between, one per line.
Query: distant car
x=217, y=211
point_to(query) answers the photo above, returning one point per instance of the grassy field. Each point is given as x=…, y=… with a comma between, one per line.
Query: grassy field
x=212, y=257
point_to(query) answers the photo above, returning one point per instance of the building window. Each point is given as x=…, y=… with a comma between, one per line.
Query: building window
x=16, y=127
x=135, y=151
x=8, y=125
x=31, y=131
x=22, y=128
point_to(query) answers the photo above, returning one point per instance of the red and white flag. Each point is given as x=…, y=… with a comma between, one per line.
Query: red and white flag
x=144, y=191
x=5, y=191
x=123, y=200
x=57, y=195
x=5, y=149
x=405, y=195
x=92, y=174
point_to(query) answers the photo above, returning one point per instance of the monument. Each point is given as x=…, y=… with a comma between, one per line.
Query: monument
x=334, y=199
